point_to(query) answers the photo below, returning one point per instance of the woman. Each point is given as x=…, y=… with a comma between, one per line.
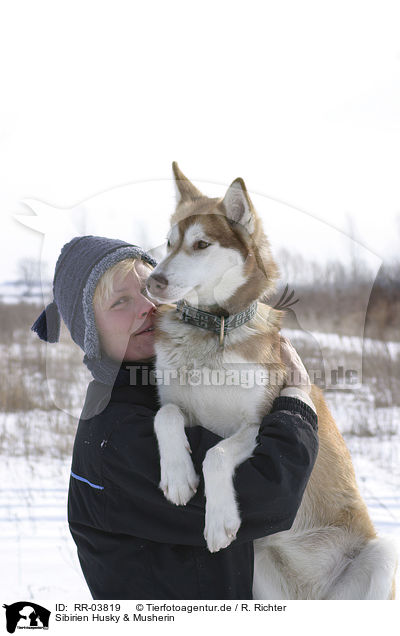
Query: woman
x=132, y=542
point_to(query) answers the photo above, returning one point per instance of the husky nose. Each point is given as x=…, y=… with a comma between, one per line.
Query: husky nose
x=157, y=282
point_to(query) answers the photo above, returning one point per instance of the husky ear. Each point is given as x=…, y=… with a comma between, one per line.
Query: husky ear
x=186, y=191
x=238, y=205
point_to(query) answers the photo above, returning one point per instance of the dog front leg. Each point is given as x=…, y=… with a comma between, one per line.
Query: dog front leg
x=222, y=513
x=178, y=477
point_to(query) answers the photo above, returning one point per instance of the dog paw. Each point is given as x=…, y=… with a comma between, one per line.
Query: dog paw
x=179, y=480
x=222, y=524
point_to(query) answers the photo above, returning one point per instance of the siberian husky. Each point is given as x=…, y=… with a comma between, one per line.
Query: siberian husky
x=219, y=261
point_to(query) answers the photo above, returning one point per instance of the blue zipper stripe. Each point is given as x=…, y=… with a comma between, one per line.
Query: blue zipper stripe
x=86, y=481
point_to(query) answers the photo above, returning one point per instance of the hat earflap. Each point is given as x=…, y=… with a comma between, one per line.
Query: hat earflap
x=47, y=326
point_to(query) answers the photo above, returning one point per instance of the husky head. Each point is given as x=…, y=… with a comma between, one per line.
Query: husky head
x=218, y=256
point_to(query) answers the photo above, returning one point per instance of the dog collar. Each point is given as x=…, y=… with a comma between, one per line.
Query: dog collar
x=218, y=324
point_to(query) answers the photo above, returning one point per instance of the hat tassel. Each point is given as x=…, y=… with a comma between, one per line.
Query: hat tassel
x=47, y=325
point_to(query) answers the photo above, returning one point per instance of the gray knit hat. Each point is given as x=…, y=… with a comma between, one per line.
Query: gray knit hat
x=81, y=264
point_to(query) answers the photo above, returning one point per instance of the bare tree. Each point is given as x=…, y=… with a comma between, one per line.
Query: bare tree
x=28, y=274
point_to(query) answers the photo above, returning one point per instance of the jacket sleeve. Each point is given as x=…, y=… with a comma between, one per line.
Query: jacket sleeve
x=269, y=485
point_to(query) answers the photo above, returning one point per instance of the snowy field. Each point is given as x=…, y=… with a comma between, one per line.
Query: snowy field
x=36, y=550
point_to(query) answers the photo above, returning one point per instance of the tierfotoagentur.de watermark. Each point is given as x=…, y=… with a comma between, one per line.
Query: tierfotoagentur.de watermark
x=243, y=376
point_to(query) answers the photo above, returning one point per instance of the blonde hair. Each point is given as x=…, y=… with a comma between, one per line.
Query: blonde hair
x=105, y=286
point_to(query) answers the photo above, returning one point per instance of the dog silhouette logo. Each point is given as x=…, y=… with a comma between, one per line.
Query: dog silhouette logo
x=26, y=615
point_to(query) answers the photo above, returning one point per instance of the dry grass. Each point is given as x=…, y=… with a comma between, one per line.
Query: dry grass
x=42, y=387
x=336, y=299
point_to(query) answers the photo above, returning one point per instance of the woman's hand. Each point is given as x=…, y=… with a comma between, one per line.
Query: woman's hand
x=297, y=375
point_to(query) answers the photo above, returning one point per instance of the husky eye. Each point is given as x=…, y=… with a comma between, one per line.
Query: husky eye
x=168, y=243
x=200, y=245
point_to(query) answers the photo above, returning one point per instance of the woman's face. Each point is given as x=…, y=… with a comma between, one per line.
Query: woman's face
x=123, y=320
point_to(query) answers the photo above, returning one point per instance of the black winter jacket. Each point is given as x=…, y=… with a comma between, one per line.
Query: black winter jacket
x=133, y=543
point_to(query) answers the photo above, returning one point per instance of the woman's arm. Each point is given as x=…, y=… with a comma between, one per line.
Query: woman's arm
x=126, y=468
x=270, y=485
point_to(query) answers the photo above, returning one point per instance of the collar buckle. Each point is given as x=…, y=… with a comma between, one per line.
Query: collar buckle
x=219, y=324
x=222, y=331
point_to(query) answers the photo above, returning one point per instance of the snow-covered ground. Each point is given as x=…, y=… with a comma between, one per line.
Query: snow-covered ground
x=36, y=549
x=344, y=344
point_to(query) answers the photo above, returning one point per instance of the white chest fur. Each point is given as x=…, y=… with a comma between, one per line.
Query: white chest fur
x=215, y=387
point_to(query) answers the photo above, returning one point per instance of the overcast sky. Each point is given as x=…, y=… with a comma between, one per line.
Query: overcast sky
x=301, y=99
